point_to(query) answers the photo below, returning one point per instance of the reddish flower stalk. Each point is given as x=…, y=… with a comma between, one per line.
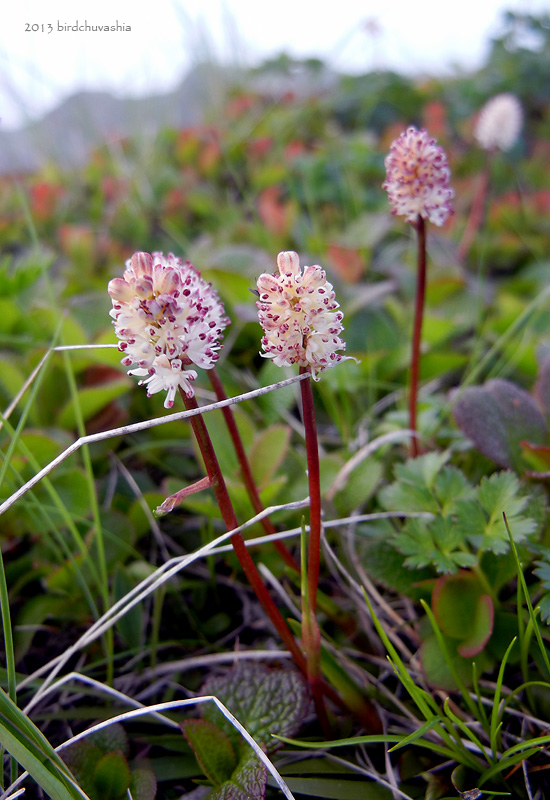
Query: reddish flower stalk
x=241, y=550
x=246, y=473
x=298, y=313
x=417, y=329
x=311, y=637
x=417, y=182
x=312, y=449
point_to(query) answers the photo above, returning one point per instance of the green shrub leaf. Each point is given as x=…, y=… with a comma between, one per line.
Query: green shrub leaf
x=265, y=701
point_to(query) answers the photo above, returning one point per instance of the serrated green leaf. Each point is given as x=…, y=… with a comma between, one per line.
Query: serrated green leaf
x=400, y=496
x=422, y=471
x=437, y=542
x=499, y=493
x=413, y=489
x=544, y=605
x=481, y=521
x=265, y=701
x=385, y=563
x=451, y=485
x=248, y=782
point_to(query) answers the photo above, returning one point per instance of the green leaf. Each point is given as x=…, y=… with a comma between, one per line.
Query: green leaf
x=413, y=489
x=265, y=701
x=22, y=739
x=463, y=611
x=423, y=470
x=212, y=748
x=482, y=522
x=450, y=485
x=267, y=453
x=338, y=789
x=435, y=666
x=544, y=605
x=130, y=625
x=111, y=776
x=248, y=782
x=91, y=400
x=143, y=784
x=499, y=493
x=360, y=484
x=436, y=542
x=385, y=562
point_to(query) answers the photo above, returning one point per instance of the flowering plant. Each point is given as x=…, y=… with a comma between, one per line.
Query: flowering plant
x=417, y=178
x=166, y=317
x=297, y=311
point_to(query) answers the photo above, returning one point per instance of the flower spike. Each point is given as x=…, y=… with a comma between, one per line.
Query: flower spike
x=417, y=178
x=167, y=317
x=297, y=311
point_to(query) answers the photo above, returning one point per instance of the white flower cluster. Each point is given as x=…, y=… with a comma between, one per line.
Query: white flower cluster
x=298, y=314
x=417, y=178
x=166, y=317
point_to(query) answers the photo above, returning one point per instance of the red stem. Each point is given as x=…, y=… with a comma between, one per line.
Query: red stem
x=417, y=331
x=246, y=473
x=224, y=502
x=312, y=448
x=311, y=637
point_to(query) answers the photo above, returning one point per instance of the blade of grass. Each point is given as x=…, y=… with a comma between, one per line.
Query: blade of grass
x=422, y=699
x=448, y=660
x=465, y=730
x=369, y=739
x=532, y=615
x=480, y=707
x=496, y=714
x=98, y=529
x=26, y=743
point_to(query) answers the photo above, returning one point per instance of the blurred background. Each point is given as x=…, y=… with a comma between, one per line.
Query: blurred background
x=46, y=66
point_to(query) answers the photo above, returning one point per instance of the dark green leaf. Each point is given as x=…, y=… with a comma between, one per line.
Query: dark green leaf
x=212, y=748
x=248, y=782
x=265, y=701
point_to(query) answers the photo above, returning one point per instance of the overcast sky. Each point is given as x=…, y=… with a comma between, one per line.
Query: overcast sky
x=40, y=67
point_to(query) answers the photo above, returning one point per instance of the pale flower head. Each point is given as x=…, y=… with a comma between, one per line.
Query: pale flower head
x=417, y=178
x=167, y=317
x=499, y=122
x=297, y=311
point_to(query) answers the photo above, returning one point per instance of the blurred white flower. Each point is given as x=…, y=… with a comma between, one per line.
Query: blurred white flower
x=499, y=122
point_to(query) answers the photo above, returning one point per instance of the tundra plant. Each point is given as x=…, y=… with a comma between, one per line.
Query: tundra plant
x=417, y=182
